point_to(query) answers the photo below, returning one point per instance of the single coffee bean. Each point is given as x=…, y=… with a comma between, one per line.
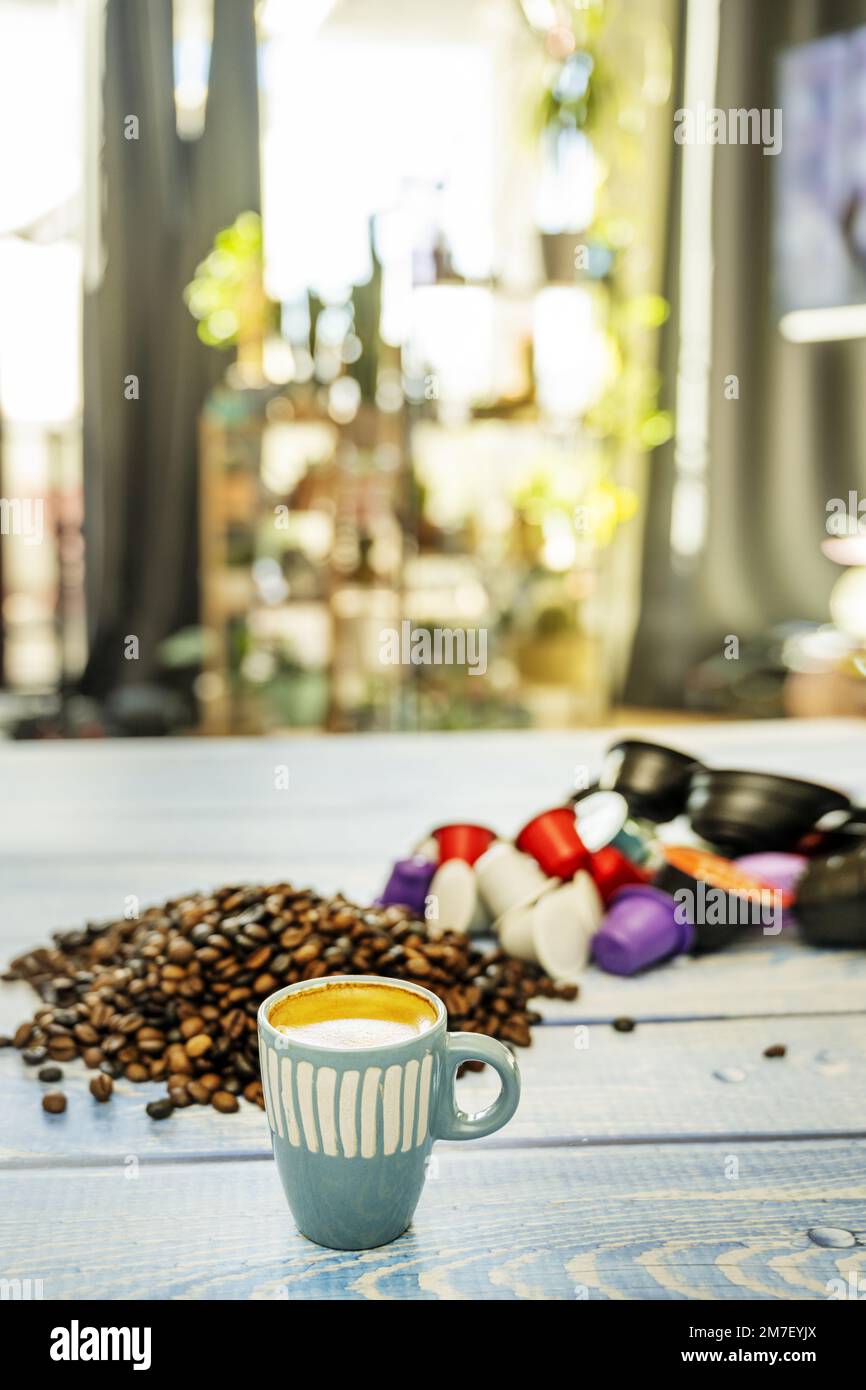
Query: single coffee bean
x=23, y=1034
x=101, y=1087
x=200, y=1044
x=128, y=1023
x=159, y=1109
x=178, y=1058
x=34, y=1056
x=224, y=1101
x=776, y=1050
x=54, y=1102
x=50, y=1074
x=180, y=951
x=624, y=1025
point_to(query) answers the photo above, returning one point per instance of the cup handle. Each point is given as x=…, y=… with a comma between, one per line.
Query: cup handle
x=453, y=1123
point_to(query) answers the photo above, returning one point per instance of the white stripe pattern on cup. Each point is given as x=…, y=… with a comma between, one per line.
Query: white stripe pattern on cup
x=351, y=1113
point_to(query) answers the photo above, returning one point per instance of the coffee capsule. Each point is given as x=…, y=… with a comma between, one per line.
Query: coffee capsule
x=603, y=819
x=718, y=897
x=574, y=798
x=744, y=812
x=611, y=871
x=507, y=878
x=455, y=903
x=466, y=842
x=553, y=841
x=778, y=869
x=428, y=848
x=408, y=885
x=556, y=931
x=831, y=900
x=643, y=925
x=680, y=831
x=837, y=836
x=653, y=779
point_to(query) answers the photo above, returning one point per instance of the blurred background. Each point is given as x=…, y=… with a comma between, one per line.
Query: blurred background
x=333, y=328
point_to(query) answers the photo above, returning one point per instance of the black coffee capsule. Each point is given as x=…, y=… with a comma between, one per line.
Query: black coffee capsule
x=837, y=839
x=653, y=779
x=744, y=812
x=831, y=900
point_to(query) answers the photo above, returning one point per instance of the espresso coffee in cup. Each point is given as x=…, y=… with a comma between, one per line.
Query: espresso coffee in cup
x=349, y=1015
x=358, y=1079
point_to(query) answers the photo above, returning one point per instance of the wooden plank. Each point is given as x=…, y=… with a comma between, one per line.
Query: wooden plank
x=771, y=977
x=588, y=1085
x=659, y=1223
x=411, y=782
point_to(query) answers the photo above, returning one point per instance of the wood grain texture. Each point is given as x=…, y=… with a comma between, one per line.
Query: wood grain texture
x=347, y=797
x=591, y=1085
x=665, y=1223
x=613, y=1181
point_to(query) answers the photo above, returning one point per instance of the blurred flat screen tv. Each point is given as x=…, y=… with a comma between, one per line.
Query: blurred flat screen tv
x=820, y=205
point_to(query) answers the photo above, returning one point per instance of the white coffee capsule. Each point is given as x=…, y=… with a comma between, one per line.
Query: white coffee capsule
x=508, y=879
x=456, y=903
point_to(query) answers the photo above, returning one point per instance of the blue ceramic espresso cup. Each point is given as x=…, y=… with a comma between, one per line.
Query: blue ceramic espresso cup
x=352, y=1127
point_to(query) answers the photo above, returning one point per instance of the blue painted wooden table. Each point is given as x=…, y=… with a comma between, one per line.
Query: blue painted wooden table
x=633, y=1169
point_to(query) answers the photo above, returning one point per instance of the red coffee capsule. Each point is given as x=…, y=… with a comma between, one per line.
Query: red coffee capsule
x=553, y=841
x=466, y=842
x=611, y=871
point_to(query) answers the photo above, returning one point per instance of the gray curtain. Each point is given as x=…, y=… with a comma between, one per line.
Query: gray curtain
x=163, y=201
x=797, y=435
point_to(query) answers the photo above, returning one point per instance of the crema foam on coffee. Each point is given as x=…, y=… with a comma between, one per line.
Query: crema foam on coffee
x=349, y=1015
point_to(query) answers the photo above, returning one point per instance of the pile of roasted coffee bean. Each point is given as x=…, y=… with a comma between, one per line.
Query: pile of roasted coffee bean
x=172, y=995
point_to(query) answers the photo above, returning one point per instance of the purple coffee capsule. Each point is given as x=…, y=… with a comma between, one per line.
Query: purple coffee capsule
x=778, y=869
x=643, y=925
x=408, y=885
